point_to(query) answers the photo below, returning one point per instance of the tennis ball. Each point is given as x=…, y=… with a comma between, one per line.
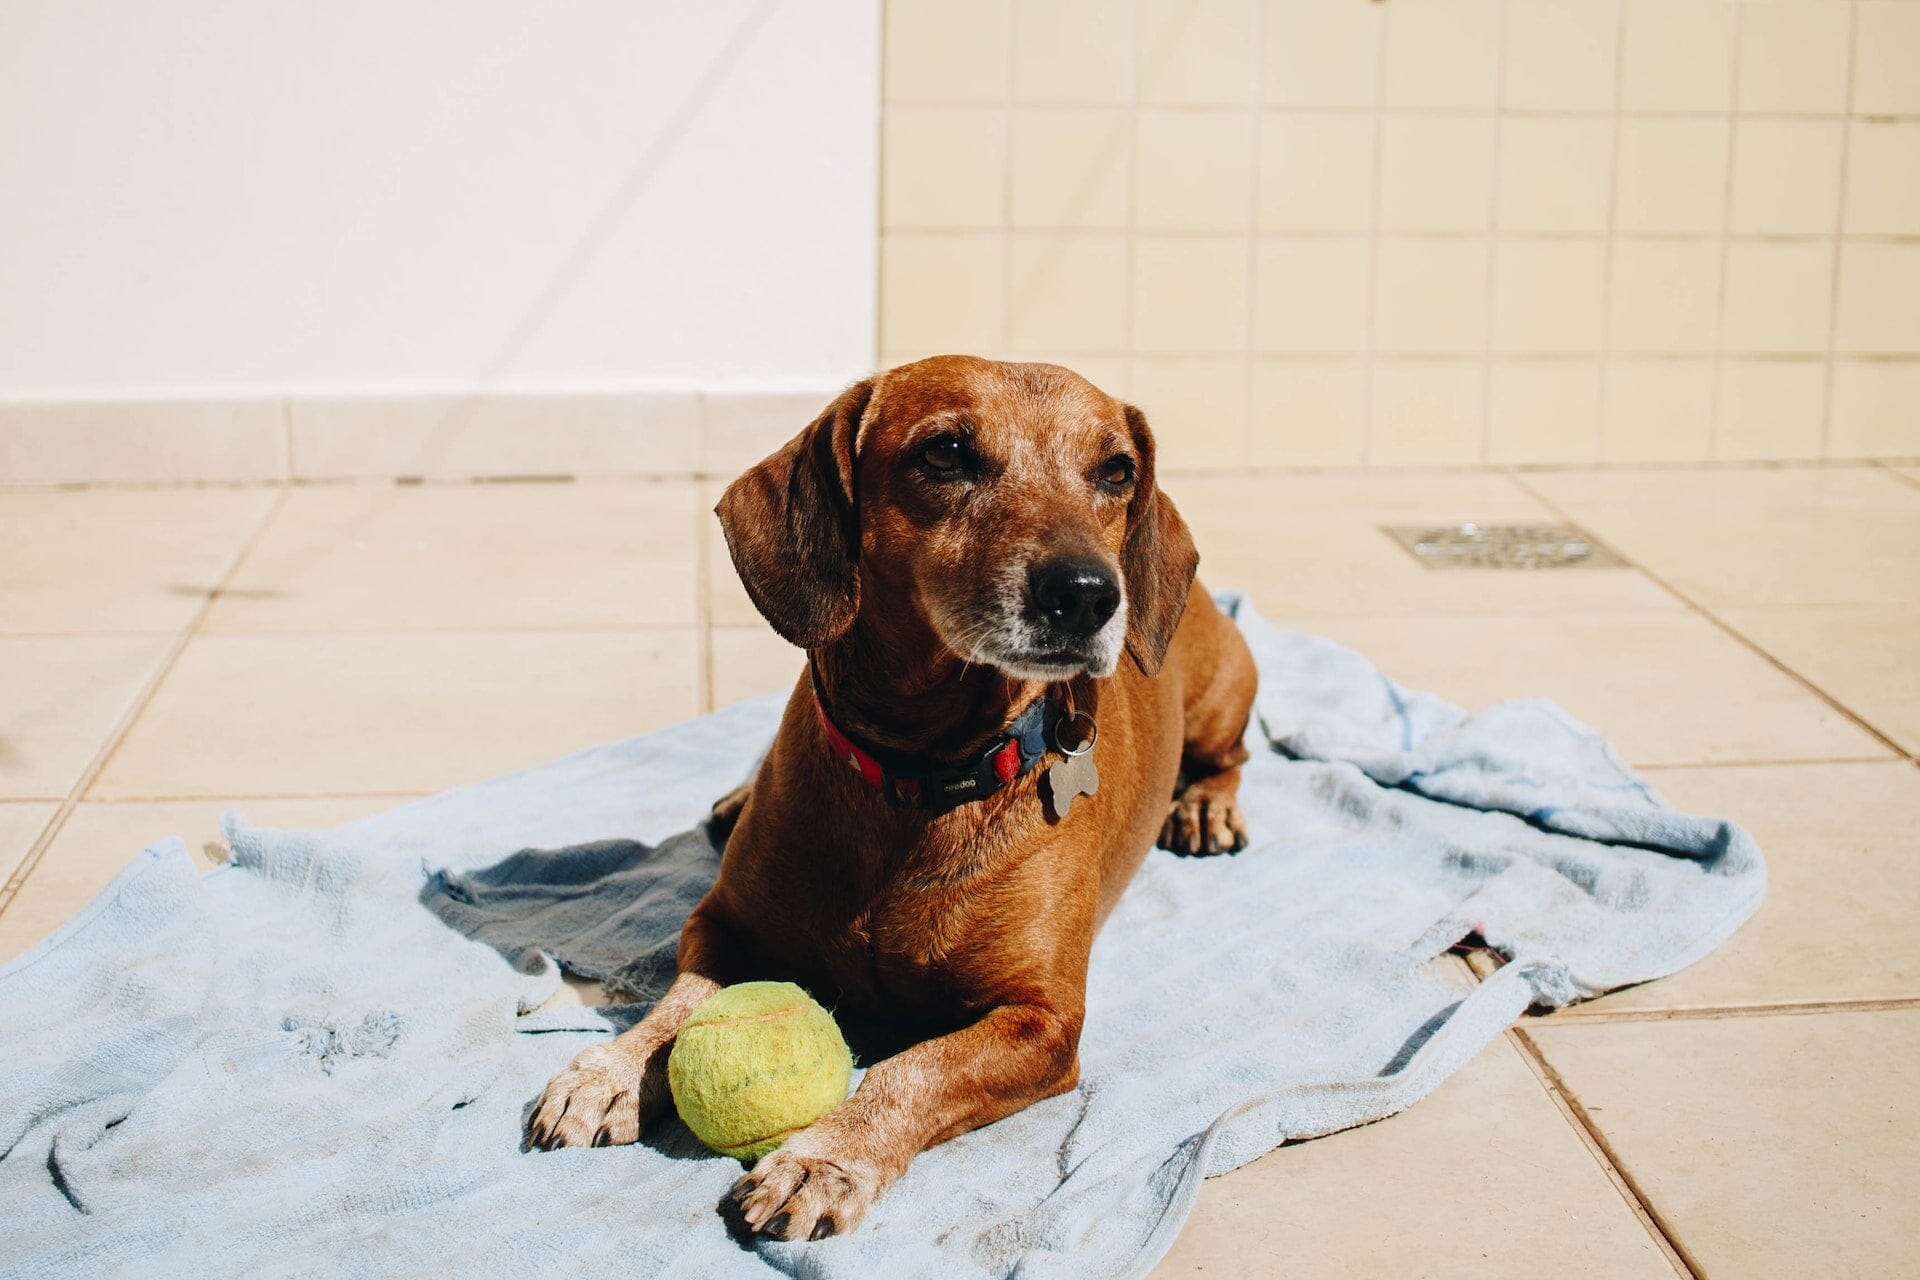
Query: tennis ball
x=755, y=1063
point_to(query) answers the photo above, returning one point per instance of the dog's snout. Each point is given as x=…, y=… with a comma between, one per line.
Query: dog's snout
x=1075, y=594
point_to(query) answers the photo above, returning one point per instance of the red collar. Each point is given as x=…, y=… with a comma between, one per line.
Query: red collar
x=907, y=783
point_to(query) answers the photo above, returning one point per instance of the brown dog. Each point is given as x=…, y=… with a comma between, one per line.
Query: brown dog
x=982, y=570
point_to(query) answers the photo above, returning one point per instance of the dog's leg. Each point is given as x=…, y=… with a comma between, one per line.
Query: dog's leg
x=825, y=1178
x=1205, y=816
x=726, y=811
x=610, y=1092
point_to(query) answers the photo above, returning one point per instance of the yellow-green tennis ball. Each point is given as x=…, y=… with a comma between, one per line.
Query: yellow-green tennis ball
x=754, y=1064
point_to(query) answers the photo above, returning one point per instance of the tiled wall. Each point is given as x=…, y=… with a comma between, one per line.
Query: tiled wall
x=1412, y=232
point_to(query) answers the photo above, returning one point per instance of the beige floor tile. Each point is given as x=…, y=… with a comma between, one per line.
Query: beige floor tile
x=1867, y=659
x=1309, y=545
x=1794, y=535
x=59, y=698
x=575, y=992
x=1912, y=474
x=99, y=839
x=471, y=557
x=1484, y=1179
x=752, y=660
x=332, y=715
x=1770, y=1146
x=20, y=824
x=1843, y=888
x=118, y=559
x=1667, y=688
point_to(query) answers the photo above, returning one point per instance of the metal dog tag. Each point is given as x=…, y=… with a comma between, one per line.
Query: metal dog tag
x=1074, y=776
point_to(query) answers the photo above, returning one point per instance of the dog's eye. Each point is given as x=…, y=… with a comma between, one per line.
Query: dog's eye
x=1117, y=470
x=944, y=454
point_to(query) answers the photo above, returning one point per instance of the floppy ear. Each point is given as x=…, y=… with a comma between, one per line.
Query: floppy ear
x=1159, y=560
x=793, y=527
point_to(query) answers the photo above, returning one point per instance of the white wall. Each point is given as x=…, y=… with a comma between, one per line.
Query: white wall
x=275, y=197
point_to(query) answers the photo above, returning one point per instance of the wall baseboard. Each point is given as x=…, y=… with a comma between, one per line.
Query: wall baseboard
x=653, y=434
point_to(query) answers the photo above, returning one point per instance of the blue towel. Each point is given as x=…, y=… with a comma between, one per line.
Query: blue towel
x=316, y=1060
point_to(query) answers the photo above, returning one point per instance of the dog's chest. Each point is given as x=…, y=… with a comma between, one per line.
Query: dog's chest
x=905, y=942
x=908, y=958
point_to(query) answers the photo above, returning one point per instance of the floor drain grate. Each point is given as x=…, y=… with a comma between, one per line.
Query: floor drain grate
x=1503, y=546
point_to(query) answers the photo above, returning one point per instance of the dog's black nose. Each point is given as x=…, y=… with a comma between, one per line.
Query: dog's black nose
x=1074, y=594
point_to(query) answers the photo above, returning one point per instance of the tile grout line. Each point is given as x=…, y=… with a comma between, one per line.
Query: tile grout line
x=1838, y=238
x=1136, y=20
x=1788, y=762
x=105, y=633
x=1544, y=235
x=882, y=101
x=1717, y=361
x=1587, y=1133
x=1348, y=109
x=1005, y=230
x=1722, y=1013
x=246, y=797
x=1603, y=352
x=1603, y=1153
x=1833, y=702
x=1728, y=629
x=1898, y=474
x=363, y=633
x=1429, y=355
x=1828, y=606
x=1376, y=162
x=1256, y=135
x=1493, y=961
x=124, y=725
x=1502, y=37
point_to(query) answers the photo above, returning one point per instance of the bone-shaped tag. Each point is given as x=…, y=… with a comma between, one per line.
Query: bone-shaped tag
x=1073, y=776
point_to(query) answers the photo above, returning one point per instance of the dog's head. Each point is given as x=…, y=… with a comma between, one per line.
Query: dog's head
x=1011, y=507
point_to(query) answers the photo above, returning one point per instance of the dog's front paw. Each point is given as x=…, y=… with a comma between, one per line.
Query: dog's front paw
x=1202, y=820
x=805, y=1191
x=603, y=1098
